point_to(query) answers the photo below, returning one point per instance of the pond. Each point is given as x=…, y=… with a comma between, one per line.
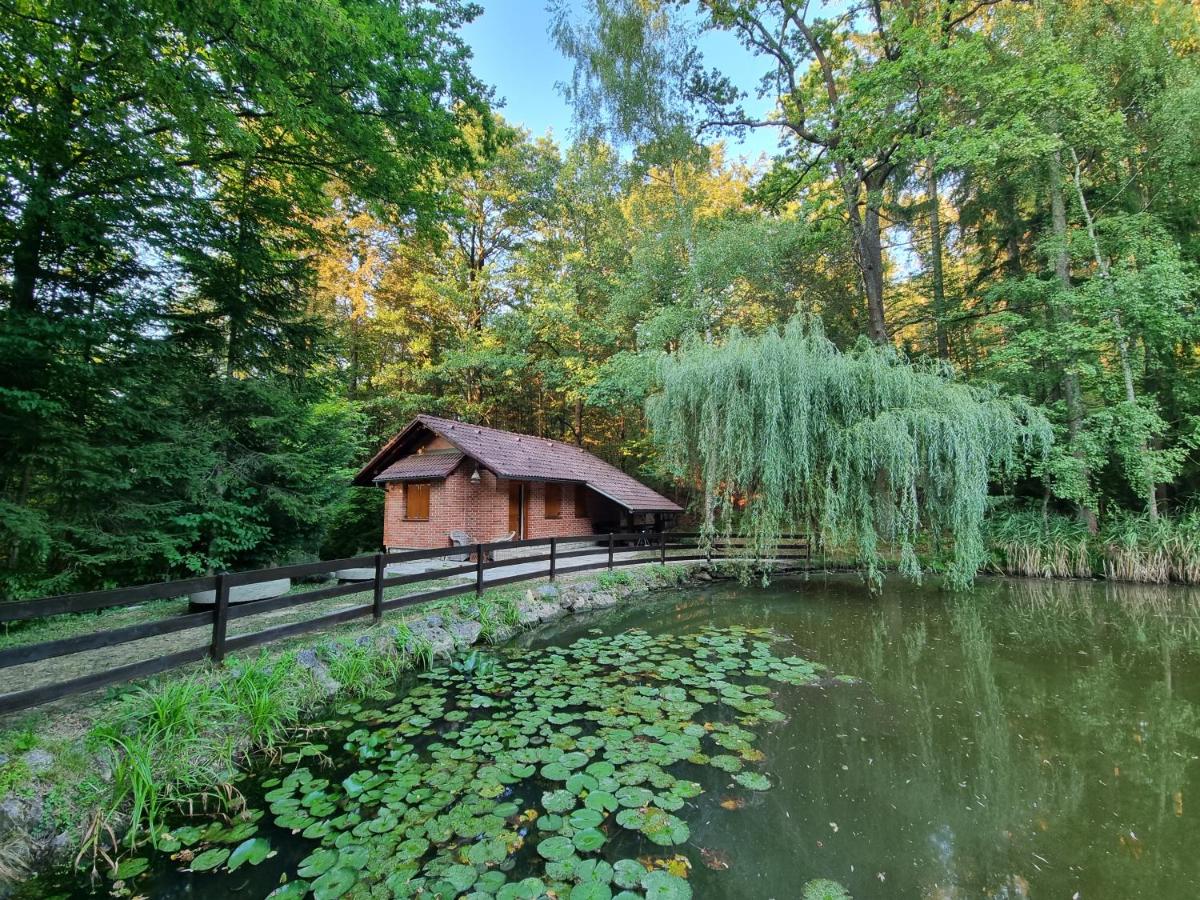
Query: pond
x=1029, y=739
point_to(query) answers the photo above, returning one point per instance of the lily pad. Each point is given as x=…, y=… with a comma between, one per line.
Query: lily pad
x=252, y=851
x=335, y=883
x=209, y=859
x=554, y=848
x=663, y=885
x=755, y=781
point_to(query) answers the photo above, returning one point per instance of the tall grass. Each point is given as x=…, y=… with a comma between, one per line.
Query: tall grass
x=1128, y=547
x=1030, y=544
x=1160, y=551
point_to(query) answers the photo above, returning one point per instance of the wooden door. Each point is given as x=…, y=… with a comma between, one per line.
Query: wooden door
x=516, y=509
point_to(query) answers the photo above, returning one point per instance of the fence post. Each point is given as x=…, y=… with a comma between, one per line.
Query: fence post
x=662, y=547
x=478, y=569
x=610, y=542
x=220, y=619
x=377, y=601
x=553, y=550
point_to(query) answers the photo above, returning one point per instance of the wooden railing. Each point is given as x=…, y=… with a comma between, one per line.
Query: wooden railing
x=613, y=549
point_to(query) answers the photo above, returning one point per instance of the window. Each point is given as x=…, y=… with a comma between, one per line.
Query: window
x=416, y=501
x=553, y=501
x=581, y=501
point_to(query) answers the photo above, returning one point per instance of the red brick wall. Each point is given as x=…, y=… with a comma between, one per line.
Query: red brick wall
x=536, y=523
x=481, y=510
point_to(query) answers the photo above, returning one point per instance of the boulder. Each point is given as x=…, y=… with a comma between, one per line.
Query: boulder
x=366, y=573
x=533, y=611
x=440, y=640
x=245, y=593
x=465, y=632
x=38, y=761
x=547, y=591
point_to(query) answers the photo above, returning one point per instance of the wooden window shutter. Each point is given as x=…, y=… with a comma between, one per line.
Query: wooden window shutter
x=581, y=501
x=416, y=500
x=553, y=501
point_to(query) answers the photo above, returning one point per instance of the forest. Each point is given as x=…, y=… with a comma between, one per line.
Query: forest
x=242, y=243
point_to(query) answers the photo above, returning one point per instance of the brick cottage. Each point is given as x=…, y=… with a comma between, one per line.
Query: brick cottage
x=443, y=476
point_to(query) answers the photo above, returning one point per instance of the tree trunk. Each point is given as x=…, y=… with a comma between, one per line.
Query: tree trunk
x=1119, y=326
x=1062, y=271
x=871, y=261
x=935, y=264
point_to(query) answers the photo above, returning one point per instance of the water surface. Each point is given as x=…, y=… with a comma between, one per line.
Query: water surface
x=1028, y=739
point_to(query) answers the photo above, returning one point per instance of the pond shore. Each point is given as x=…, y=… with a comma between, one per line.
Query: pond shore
x=66, y=791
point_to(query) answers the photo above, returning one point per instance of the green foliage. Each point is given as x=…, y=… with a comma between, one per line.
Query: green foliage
x=786, y=433
x=168, y=399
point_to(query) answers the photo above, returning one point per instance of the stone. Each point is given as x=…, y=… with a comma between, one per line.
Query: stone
x=365, y=573
x=440, y=640
x=245, y=593
x=308, y=659
x=602, y=599
x=326, y=682
x=465, y=632
x=38, y=761
x=535, y=612
x=548, y=591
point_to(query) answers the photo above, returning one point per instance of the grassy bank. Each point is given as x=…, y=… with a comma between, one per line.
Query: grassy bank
x=97, y=780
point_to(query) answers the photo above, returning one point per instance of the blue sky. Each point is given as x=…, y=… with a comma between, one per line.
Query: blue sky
x=515, y=54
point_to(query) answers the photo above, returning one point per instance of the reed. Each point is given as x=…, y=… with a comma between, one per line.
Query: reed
x=1131, y=548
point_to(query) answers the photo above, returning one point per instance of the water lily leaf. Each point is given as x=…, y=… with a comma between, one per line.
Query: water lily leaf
x=591, y=890
x=628, y=873
x=557, y=847
x=753, y=780
x=586, y=818
x=334, y=883
x=317, y=863
x=558, y=801
x=824, y=889
x=293, y=890
x=252, y=851
x=580, y=782
x=589, y=839
x=461, y=877
x=209, y=859
x=527, y=889
x=130, y=868
x=662, y=885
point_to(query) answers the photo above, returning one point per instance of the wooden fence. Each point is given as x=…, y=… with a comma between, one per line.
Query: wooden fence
x=613, y=549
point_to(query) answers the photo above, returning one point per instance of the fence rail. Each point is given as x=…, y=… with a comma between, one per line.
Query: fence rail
x=614, y=550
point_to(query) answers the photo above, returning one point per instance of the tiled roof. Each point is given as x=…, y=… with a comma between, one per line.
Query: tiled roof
x=431, y=464
x=526, y=458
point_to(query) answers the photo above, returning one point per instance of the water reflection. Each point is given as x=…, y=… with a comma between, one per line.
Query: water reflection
x=1032, y=738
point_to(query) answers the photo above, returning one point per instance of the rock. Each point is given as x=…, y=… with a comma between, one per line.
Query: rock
x=12, y=812
x=534, y=612
x=465, y=632
x=327, y=682
x=245, y=593
x=548, y=591
x=703, y=575
x=61, y=843
x=440, y=640
x=363, y=640
x=38, y=761
x=308, y=659
x=435, y=620
x=366, y=573
x=601, y=600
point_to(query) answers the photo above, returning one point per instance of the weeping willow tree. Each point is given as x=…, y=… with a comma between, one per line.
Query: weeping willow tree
x=783, y=432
